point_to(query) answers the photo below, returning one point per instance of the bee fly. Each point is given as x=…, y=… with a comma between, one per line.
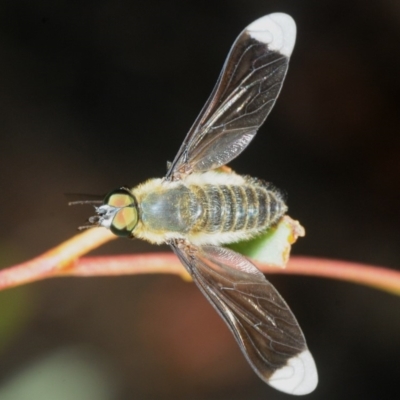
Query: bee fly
x=199, y=205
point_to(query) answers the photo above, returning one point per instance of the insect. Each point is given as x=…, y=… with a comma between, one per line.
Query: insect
x=199, y=206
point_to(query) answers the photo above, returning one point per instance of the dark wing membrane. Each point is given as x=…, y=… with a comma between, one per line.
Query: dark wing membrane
x=260, y=320
x=245, y=93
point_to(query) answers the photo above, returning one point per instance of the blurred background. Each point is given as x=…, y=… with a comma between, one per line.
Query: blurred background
x=99, y=94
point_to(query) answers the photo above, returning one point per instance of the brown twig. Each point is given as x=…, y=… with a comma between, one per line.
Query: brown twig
x=51, y=263
x=64, y=260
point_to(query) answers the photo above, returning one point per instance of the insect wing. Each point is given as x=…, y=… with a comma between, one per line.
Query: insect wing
x=245, y=93
x=260, y=320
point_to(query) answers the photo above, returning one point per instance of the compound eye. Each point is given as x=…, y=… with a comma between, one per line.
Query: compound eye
x=124, y=221
x=126, y=215
x=119, y=198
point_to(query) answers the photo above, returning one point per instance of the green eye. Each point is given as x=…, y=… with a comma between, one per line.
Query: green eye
x=126, y=218
x=119, y=198
x=124, y=221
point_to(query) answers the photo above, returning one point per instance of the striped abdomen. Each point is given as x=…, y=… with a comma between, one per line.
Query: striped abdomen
x=231, y=208
x=206, y=208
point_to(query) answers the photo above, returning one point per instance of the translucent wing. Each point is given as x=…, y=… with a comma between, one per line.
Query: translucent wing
x=245, y=93
x=260, y=320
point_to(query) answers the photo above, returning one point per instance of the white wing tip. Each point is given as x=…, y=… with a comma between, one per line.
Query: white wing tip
x=299, y=376
x=278, y=30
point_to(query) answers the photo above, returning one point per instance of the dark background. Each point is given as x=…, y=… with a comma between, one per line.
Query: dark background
x=97, y=94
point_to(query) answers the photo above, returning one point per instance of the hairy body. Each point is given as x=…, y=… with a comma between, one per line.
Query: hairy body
x=206, y=208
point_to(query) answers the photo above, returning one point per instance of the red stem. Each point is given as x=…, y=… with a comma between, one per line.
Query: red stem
x=64, y=260
x=151, y=263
